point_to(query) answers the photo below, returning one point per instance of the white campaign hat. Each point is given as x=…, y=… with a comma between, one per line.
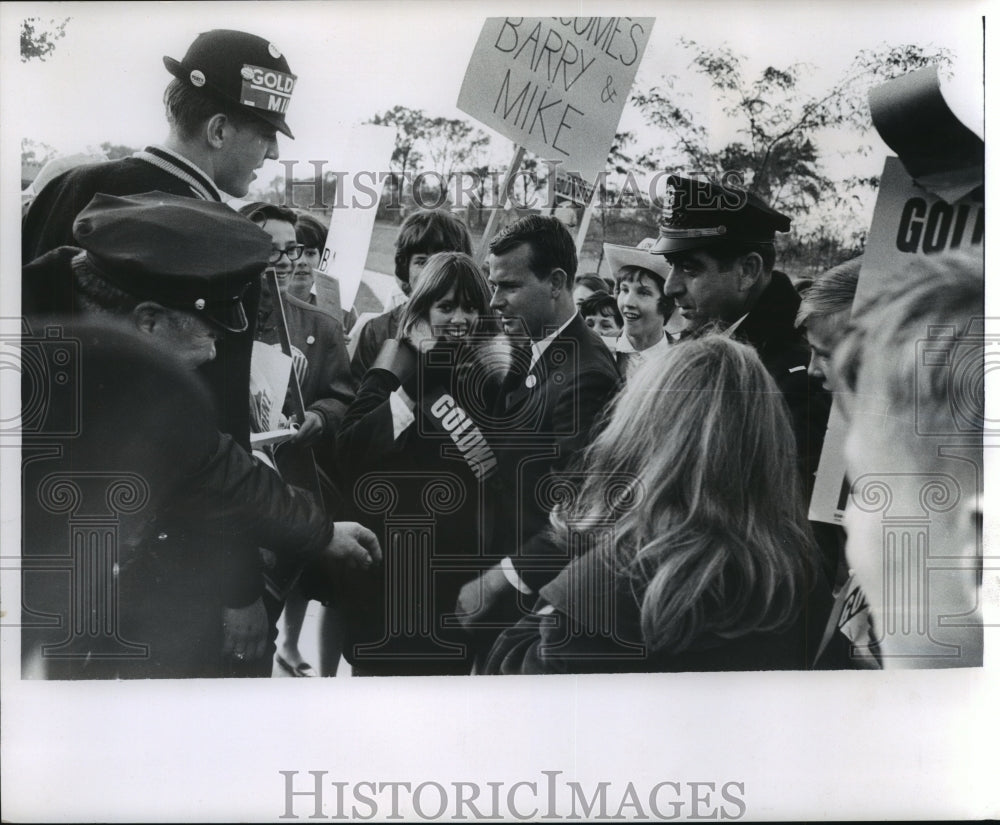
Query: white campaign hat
x=619, y=256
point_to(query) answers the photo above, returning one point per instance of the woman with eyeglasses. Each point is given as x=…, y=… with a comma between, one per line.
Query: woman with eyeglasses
x=322, y=366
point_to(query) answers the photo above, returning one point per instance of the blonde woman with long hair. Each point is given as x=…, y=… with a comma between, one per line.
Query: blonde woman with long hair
x=695, y=551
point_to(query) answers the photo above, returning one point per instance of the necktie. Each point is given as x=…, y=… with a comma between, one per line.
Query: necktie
x=520, y=360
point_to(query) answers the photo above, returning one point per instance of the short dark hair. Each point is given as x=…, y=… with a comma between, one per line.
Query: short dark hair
x=446, y=271
x=310, y=231
x=726, y=252
x=188, y=107
x=601, y=303
x=425, y=232
x=631, y=274
x=548, y=238
x=591, y=281
x=261, y=212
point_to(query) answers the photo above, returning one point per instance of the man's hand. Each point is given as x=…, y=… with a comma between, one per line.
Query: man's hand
x=478, y=599
x=354, y=544
x=244, y=631
x=310, y=431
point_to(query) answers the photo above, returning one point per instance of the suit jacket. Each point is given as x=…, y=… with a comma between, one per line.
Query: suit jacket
x=540, y=426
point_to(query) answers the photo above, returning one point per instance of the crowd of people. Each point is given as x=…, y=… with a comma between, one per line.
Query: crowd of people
x=517, y=469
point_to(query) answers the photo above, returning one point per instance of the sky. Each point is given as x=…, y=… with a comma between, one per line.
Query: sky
x=105, y=80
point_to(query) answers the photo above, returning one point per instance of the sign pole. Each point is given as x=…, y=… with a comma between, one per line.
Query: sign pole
x=298, y=402
x=588, y=212
x=491, y=224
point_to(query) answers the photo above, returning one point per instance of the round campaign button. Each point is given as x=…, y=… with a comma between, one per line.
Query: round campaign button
x=197, y=78
x=530, y=381
x=273, y=51
x=311, y=339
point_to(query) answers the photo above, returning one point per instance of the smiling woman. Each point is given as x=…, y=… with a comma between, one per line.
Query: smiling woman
x=413, y=456
x=640, y=278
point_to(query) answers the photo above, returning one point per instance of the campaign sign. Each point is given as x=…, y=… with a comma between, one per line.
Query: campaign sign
x=359, y=156
x=556, y=85
x=909, y=221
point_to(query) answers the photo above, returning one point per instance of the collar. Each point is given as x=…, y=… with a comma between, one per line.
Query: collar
x=772, y=318
x=731, y=329
x=180, y=167
x=636, y=357
x=538, y=347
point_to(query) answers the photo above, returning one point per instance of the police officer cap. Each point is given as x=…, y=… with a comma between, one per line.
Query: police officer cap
x=187, y=254
x=699, y=213
x=242, y=68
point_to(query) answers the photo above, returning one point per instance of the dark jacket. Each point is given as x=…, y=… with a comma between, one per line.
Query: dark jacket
x=48, y=288
x=326, y=386
x=770, y=329
x=422, y=494
x=48, y=225
x=540, y=426
x=376, y=332
x=164, y=488
x=48, y=222
x=587, y=621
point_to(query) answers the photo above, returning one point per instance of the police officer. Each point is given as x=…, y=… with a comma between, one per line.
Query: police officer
x=174, y=271
x=719, y=243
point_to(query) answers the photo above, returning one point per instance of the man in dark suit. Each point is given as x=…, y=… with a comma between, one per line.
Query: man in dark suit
x=560, y=380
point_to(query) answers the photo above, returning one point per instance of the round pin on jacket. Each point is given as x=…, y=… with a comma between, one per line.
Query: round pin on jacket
x=530, y=381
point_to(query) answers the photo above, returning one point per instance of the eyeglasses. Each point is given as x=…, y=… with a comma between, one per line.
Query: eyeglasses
x=293, y=252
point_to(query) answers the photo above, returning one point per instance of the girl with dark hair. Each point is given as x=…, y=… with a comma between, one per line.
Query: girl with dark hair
x=701, y=557
x=413, y=462
x=311, y=233
x=586, y=285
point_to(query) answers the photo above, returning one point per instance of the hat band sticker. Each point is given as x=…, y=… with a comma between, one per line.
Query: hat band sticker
x=266, y=89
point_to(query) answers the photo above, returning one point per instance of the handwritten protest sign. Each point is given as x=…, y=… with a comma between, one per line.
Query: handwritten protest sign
x=359, y=164
x=556, y=85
